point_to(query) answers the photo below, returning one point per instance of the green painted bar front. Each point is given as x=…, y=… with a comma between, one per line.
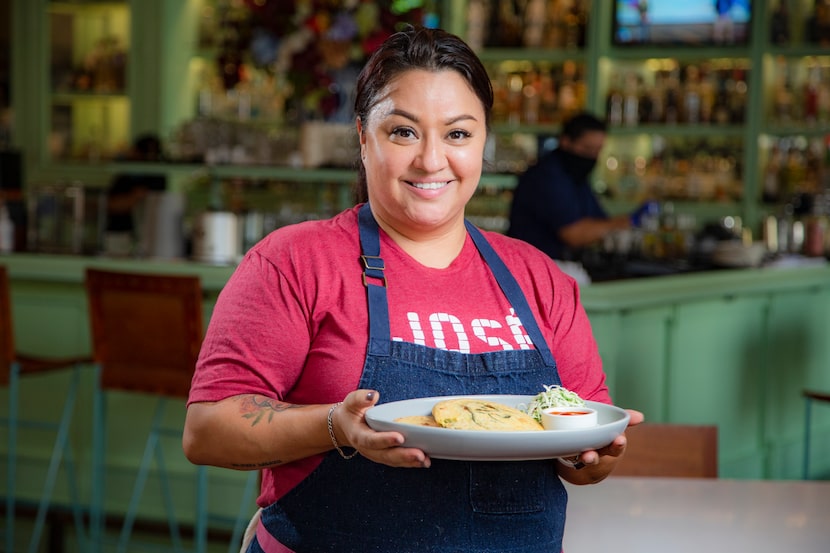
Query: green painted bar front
x=733, y=348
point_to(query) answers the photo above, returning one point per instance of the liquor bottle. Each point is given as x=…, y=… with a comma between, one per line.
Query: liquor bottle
x=646, y=108
x=672, y=98
x=779, y=28
x=720, y=111
x=534, y=23
x=547, y=99
x=811, y=94
x=614, y=102
x=657, y=96
x=532, y=97
x=6, y=230
x=691, y=96
x=477, y=14
x=568, y=90
x=772, y=176
x=574, y=26
x=505, y=24
x=737, y=100
x=515, y=85
x=708, y=89
x=555, y=24
x=824, y=96
x=500, y=94
x=817, y=25
x=783, y=102
x=631, y=99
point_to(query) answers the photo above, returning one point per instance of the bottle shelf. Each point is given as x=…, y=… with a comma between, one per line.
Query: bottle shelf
x=70, y=97
x=679, y=130
x=683, y=54
x=89, y=106
x=536, y=55
x=85, y=127
x=797, y=130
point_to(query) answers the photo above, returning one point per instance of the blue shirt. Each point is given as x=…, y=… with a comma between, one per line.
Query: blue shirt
x=546, y=199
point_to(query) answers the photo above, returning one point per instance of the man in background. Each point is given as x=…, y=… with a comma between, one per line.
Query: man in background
x=554, y=207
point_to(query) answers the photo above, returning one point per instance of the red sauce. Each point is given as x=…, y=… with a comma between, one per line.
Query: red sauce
x=569, y=413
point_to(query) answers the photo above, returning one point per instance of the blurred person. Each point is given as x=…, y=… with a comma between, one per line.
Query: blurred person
x=554, y=207
x=126, y=194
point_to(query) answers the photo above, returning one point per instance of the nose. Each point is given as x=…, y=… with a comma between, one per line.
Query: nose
x=431, y=156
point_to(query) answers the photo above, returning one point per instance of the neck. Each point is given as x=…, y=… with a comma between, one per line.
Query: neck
x=436, y=251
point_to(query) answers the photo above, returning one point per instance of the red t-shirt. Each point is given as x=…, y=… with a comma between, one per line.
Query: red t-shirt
x=292, y=321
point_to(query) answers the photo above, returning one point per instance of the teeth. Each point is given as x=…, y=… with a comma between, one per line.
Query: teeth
x=429, y=185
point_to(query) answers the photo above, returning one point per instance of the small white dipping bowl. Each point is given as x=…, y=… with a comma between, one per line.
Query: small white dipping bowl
x=568, y=418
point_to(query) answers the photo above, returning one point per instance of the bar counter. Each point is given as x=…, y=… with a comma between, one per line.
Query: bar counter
x=733, y=348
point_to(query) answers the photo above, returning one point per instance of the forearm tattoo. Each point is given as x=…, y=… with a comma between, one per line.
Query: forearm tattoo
x=257, y=466
x=256, y=408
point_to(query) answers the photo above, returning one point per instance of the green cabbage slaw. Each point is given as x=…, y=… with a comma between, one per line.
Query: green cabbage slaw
x=553, y=396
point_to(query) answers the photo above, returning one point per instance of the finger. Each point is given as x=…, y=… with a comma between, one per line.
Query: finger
x=635, y=417
x=385, y=447
x=383, y=440
x=406, y=457
x=614, y=449
x=360, y=400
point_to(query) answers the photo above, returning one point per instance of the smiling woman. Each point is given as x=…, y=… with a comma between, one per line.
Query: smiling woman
x=396, y=298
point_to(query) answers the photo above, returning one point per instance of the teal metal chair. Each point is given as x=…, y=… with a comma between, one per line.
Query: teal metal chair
x=15, y=366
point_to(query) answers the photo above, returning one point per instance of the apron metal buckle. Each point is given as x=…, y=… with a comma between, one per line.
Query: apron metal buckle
x=373, y=267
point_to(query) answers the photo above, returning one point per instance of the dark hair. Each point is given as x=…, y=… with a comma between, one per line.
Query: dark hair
x=581, y=123
x=417, y=47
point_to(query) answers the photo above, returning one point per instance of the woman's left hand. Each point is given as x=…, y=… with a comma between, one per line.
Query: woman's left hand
x=594, y=465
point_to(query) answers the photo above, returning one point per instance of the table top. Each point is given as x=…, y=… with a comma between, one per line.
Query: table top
x=644, y=515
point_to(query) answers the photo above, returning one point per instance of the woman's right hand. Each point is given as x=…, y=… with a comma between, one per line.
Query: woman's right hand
x=350, y=429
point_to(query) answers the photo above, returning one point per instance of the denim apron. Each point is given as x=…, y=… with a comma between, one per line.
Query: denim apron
x=361, y=506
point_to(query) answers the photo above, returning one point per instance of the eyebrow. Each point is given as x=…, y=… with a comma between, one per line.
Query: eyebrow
x=452, y=121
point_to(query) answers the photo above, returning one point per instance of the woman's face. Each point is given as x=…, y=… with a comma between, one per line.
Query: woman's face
x=423, y=147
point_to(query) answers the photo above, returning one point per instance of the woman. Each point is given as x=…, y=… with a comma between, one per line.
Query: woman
x=292, y=336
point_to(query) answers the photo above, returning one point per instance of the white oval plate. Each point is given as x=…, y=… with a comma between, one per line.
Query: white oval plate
x=477, y=445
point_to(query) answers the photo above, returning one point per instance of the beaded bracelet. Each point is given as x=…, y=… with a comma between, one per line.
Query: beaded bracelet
x=333, y=438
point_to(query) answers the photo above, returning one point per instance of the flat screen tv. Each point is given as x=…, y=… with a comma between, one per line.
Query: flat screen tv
x=682, y=22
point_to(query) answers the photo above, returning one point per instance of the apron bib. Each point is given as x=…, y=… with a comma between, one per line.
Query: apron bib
x=453, y=506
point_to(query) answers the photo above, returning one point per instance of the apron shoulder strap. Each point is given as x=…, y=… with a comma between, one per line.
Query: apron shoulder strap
x=512, y=291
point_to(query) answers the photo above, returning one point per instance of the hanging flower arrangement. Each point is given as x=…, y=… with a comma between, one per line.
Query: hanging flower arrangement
x=319, y=46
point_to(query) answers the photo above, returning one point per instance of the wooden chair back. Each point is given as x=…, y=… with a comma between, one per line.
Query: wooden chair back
x=671, y=450
x=146, y=330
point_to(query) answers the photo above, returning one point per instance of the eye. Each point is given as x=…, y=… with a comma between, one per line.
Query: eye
x=459, y=134
x=403, y=132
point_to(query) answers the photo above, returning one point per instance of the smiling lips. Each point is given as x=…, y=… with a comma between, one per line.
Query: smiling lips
x=429, y=185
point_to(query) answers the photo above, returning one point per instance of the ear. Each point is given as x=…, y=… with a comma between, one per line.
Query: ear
x=361, y=136
x=359, y=126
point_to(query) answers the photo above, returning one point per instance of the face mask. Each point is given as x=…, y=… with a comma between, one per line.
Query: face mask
x=578, y=167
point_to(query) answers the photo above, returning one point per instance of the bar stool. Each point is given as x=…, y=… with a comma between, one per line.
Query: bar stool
x=809, y=397
x=146, y=335
x=15, y=366
x=147, y=331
